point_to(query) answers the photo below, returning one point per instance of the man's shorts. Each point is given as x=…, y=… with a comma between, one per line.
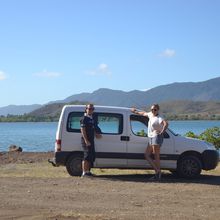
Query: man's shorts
x=88, y=152
x=157, y=140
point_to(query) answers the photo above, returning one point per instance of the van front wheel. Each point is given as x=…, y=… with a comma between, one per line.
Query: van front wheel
x=189, y=166
x=74, y=165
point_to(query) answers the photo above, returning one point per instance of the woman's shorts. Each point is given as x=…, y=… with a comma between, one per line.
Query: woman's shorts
x=157, y=140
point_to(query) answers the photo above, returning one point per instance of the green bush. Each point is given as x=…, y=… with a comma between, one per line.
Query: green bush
x=191, y=134
x=142, y=133
x=211, y=135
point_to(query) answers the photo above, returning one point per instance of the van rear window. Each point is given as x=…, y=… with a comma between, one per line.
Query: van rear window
x=109, y=123
x=73, y=122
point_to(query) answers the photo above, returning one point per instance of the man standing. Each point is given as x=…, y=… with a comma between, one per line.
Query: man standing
x=89, y=130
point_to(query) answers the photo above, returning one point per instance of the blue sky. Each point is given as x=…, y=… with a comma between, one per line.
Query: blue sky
x=51, y=49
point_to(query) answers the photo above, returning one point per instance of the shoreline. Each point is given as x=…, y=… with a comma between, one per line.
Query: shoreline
x=169, y=119
x=24, y=157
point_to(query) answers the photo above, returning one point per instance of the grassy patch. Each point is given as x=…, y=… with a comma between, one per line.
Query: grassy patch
x=45, y=170
x=215, y=172
x=120, y=171
x=42, y=170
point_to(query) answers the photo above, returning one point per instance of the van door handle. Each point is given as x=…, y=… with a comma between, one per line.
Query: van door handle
x=125, y=138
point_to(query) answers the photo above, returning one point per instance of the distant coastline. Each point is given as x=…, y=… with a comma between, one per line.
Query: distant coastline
x=174, y=110
x=170, y=117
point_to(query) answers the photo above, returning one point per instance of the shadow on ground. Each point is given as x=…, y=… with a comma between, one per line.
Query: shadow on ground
x=166, y=178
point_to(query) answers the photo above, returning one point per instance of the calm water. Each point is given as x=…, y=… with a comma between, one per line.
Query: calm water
x=31, y=136
x=40, y=136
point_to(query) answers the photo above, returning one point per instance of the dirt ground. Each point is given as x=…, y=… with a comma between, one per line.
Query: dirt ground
x=34, y=190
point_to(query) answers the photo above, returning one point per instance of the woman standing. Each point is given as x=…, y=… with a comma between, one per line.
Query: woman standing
x=156, y=127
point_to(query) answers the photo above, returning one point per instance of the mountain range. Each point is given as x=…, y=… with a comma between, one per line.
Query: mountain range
x=201, y=91
x=18, y=109
x=205, y=91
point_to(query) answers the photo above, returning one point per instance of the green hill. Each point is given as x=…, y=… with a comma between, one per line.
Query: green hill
x=171, y=110
x=190, y=110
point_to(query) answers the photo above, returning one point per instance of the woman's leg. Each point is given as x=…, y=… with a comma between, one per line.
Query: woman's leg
x=157, y=157
x=148, y=153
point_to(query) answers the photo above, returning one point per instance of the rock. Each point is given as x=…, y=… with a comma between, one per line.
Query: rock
x=14, y=148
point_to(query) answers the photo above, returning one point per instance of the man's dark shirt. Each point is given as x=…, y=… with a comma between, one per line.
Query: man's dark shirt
x=89, y=124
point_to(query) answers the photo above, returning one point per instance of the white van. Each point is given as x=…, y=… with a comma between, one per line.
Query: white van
x=123, y=143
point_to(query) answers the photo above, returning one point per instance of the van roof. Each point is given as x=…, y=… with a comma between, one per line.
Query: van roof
x=98, y=107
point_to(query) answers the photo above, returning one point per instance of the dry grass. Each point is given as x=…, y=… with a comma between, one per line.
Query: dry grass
x=45, y=170
x=215, y=172
x=38, y=170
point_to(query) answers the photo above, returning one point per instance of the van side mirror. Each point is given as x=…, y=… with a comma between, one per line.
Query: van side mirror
x=166, y=135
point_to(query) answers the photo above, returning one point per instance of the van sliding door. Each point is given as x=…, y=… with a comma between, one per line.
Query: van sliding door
x=111, y=148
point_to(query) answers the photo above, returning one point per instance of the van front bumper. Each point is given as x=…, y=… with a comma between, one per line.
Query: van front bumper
x=210, y=159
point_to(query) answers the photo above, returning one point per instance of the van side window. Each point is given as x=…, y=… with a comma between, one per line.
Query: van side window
x=139, y=125
x=73, y=122
x=109, y=123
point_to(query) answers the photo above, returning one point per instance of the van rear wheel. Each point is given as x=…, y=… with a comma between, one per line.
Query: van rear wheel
x=189, y=166
x=74, y=165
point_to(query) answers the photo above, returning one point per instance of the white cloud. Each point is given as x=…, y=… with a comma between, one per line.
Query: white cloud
x=2, y=75
x=101, y=69
x=168, y=53
x=47, y=74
